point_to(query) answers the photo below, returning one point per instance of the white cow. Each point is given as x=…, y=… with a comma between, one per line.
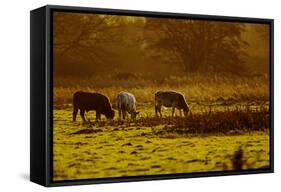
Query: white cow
x=126, y=102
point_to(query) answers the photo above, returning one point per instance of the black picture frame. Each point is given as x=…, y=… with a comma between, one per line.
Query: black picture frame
x=41, y=94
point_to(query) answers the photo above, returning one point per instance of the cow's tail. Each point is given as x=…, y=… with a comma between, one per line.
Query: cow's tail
x=156, y=103
x=75, y=108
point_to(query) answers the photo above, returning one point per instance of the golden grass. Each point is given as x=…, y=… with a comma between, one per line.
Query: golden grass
x=196, y=88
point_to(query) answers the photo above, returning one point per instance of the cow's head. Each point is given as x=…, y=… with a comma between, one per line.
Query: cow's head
x=186, y=110
x=134, y=114
x=110, y=114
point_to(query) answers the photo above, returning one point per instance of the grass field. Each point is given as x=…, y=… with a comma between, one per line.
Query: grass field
x=150, y=146
x=227, y=129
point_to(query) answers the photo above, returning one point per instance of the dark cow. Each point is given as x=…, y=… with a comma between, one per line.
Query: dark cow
x=84, y=101
x=170, y=99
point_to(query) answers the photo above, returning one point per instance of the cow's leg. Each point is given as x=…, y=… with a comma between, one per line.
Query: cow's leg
x=156, y=110
x=87, y=116
x=98, y=115
x=173, y=111
x=82, y=114
x=159, y=110
x=74, y=114
x=123, y=114
x=119, y=114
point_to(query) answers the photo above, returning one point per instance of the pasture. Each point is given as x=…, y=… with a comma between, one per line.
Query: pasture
x=206, y=140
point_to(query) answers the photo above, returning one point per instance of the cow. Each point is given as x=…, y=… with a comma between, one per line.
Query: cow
x=170, y=99
x=85, y=101
x=126, y=102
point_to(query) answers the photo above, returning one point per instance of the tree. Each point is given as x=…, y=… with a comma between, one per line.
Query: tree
x=199, y=45
x=81, y=40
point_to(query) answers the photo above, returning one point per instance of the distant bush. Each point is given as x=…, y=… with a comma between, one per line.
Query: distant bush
x=220, y=122
x=232, y=122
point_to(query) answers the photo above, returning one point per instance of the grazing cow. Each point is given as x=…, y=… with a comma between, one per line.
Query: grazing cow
x=170, y=99
x=84, y=101
x=126, y=102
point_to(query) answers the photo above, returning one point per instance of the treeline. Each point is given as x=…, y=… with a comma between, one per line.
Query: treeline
x=89, y=44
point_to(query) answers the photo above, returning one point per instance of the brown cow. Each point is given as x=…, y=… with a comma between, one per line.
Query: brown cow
x=85, y=101
x=170, y=99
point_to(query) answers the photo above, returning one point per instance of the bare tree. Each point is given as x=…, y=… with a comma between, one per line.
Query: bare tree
x=83, y=38
x=200, y=45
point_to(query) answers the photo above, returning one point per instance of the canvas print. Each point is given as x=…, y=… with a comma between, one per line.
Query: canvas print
x=140, y=95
